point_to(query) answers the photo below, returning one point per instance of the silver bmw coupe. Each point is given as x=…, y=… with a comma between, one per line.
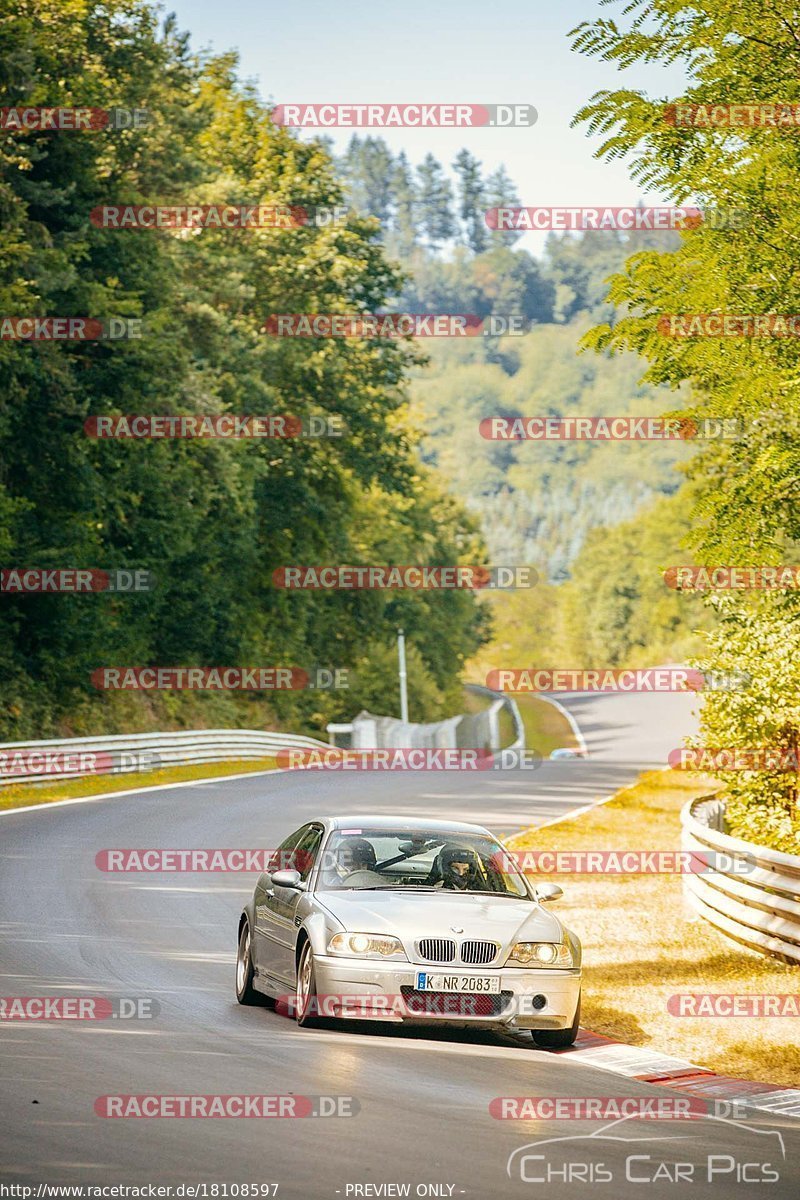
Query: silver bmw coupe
x=408, y=920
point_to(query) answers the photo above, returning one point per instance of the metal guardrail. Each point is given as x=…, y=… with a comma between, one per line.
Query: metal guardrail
x=751, y=894
x=502, y=701
x=71, y=758
x=473, y=731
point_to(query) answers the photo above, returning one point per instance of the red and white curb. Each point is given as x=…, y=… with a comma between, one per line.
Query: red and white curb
x=650, y=1066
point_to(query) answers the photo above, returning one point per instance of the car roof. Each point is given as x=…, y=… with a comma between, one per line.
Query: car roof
x=371, y=821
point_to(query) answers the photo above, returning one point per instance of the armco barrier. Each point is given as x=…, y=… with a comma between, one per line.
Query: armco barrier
x=474, y=731
x=757, y=905
x=137, y=751
x=22, y=762
x=501, y=701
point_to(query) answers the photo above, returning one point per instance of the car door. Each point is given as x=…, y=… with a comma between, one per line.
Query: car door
x=278, y=924
x=265, y=949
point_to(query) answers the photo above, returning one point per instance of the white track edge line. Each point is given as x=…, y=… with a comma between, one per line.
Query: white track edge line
x=152, y=787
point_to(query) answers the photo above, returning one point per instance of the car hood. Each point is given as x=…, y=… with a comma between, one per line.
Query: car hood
x=434, y=914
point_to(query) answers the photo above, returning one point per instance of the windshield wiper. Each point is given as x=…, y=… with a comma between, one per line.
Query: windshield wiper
x=479, y=892
x=397, y=887
x=390, y=887
x=368, y=887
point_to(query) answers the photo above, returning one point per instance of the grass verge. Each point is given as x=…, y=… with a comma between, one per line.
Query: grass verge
x=641, y=946
x=546, y=727
x=19, y=795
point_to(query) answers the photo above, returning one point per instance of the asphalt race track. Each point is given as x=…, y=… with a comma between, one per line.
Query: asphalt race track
x=68, y=928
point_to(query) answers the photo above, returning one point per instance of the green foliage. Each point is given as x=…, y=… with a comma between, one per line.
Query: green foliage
x=538, y=500
x=761, y=638
x=435, y=203
x=614, y=610
x=471, y=200
x=747, y=491
x=617, y=609
x=211, y=519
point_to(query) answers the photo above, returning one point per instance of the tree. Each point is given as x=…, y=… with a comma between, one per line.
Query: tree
x=741, y=260
x=471, y=201
x=404, y=208
x=368, y=170
x=212, y=519
x=435, y=203
x=501, y=192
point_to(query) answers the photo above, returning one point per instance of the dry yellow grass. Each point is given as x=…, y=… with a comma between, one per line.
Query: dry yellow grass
x=641, y=946
x=18, y=795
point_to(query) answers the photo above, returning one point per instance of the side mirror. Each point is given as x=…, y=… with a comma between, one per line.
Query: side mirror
x=547, y=891
x=288, y=879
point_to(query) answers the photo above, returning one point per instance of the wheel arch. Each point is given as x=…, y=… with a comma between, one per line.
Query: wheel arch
x=302, y=940
x=246, y=915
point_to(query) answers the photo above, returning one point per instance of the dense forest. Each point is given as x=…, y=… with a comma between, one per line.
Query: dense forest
x=411, y=480
x=535, y=503
x=600, y=519
x=211, y=519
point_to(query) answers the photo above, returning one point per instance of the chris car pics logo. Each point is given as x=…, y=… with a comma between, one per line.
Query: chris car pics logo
x=733, y=1154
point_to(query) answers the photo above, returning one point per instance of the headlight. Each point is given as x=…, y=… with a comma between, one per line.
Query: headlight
x=541, y=954
x=366, y=945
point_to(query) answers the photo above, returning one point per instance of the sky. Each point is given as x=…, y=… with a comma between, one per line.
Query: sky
x=417, y=51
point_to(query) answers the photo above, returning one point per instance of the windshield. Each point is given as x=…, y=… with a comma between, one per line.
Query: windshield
x=438, y=860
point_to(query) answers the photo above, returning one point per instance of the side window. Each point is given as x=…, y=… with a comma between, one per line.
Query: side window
x=282, y=859
x=306, y=851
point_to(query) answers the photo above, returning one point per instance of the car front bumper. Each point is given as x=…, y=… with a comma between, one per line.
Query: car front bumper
x=530, y=997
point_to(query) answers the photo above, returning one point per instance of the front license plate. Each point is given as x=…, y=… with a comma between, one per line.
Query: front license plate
x=470, y=984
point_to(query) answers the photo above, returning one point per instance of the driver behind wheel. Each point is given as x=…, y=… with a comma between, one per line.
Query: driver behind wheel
x=354, y=864
x=459, y=869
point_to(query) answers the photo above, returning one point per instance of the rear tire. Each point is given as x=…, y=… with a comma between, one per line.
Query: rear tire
x=245, y=992
x=558, y=1039
x=306, y=1008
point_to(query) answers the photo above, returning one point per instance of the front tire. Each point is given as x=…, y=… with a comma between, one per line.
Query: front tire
x=306, y=1013
x=245, y=992
x=558, y=1039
